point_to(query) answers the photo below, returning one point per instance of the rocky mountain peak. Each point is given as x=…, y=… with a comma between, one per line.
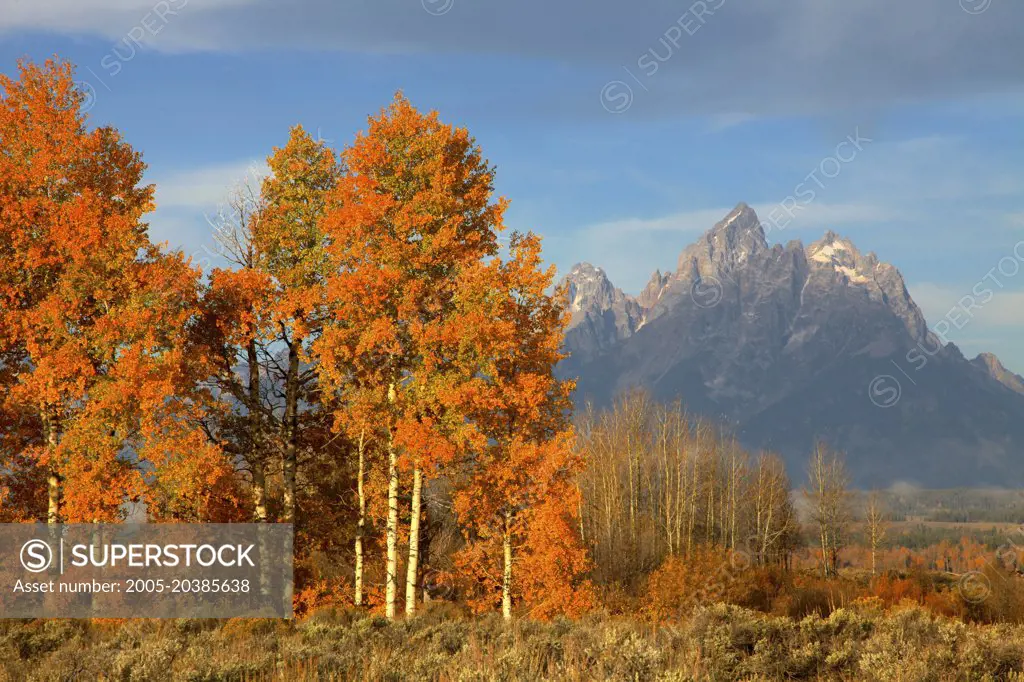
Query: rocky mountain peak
x=601, y=314
x=651, y=294
x=842, y=255
x=834, y=256
x=731, y=242
x=740, y=219
x=585, y=271
x=990, y=364
x=589, y=286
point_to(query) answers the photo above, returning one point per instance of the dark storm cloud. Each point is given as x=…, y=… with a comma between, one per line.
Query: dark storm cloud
x=714, y=56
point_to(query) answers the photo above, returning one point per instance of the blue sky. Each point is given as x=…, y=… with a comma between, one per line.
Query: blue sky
x=620, y=131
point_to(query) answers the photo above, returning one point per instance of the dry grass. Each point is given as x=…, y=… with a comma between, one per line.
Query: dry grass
x=715, y=643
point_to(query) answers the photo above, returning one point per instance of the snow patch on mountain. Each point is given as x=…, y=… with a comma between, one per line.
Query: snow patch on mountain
x=840, y=255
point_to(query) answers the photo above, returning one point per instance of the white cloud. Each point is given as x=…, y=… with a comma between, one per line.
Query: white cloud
x=948, y=169
x=819, y=215
x=684, y=222
x=1014, y=220
x=823, y=216
x=113, y=19
x=188, y=202
x=720, y=122
x=992, y=327
x=969, y=313
x=207, y=187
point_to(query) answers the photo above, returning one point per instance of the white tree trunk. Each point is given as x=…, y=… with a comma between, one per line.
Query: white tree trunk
x=361, y=526
x=259, y=493
x=259, y=476
x=412, y=570
x=506, y=582
x=52, y=478
x=291, y=430
x=53, y=491
x=390, y=589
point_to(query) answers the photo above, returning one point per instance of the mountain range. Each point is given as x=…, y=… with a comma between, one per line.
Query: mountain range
x=784, y=345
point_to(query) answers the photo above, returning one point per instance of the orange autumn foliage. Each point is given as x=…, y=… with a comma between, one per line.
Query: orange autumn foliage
x=412, y=213
x=91, y=311
x=520, y=488
x=708, y=575
x=412, y=210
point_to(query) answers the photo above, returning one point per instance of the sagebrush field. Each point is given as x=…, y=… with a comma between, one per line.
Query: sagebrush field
x=714, y=643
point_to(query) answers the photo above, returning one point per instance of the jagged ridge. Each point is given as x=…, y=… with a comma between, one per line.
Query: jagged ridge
x=784, y=342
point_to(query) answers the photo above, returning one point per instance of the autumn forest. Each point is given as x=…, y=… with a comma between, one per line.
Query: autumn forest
x=377, y=365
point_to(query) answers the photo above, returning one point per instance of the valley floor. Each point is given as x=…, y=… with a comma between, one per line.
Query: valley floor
x=718, y=642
